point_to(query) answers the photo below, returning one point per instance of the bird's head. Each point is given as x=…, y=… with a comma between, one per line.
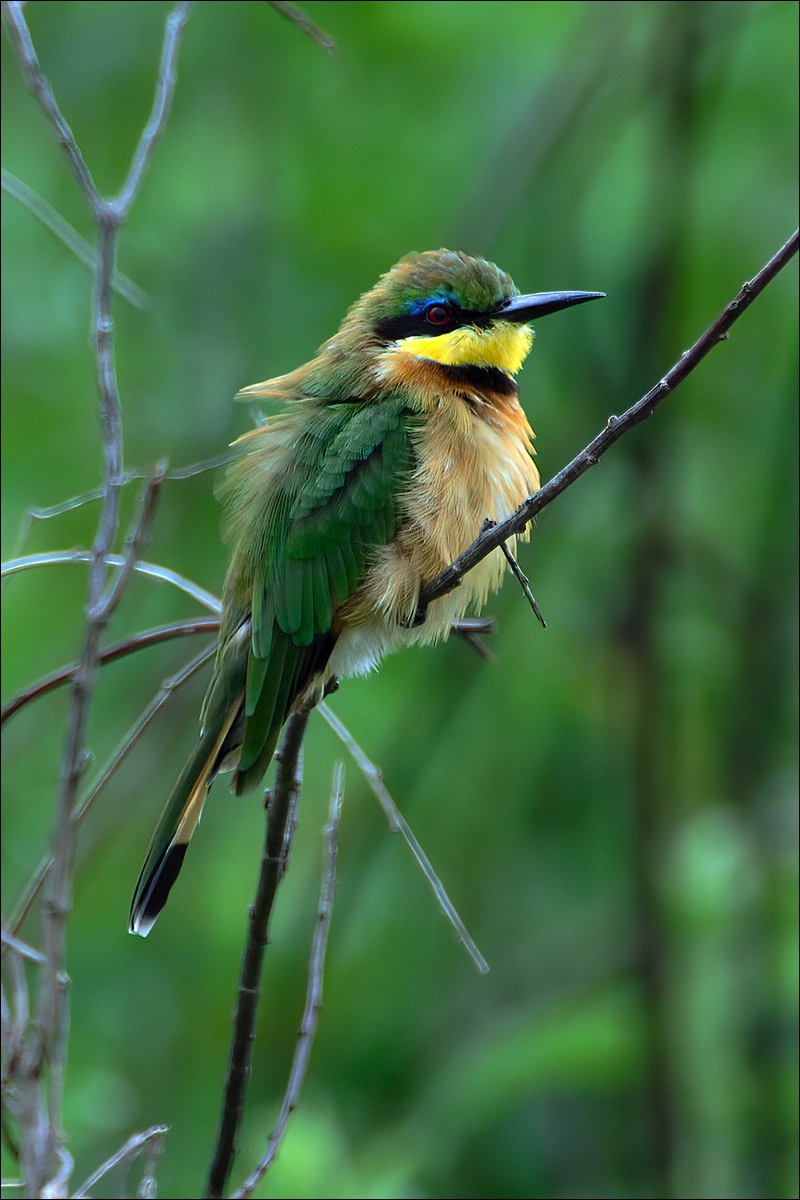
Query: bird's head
x=441, y=306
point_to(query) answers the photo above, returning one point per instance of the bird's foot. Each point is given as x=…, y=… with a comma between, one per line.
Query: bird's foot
x=417, y=618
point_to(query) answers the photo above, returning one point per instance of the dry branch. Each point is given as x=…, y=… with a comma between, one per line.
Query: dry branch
x=39, y=1047
x=313, y=1005
x=40, y=1065
x=717, y=332
x=282, y=802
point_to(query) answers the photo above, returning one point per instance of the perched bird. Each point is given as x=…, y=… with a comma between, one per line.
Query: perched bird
x=401, y=437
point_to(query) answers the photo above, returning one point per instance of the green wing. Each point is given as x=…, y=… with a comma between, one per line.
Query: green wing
x=310, y=504
x=338, y=503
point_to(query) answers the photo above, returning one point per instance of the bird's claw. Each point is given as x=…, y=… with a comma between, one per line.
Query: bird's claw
x=418, y=617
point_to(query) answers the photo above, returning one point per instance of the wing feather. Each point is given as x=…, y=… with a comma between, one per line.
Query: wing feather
x=310, y=502
x=338, y=503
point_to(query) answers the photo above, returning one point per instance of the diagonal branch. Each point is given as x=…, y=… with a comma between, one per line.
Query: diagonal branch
x=451, y=577
x=398, y=824
x=301, y=19
x=39, y=84
x=83, y=251
x=468, y=629
x=150, y=1142
x=150, y=637
x=168, y=687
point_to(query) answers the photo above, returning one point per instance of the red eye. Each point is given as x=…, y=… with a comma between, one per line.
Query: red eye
x=437, y=314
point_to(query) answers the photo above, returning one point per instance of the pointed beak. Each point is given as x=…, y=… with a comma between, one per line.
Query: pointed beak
x=522, y=309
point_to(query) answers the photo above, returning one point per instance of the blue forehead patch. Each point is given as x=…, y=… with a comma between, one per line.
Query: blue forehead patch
x=415, y=307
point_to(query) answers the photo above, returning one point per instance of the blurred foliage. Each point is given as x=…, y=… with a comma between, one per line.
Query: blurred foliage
x=611, y=803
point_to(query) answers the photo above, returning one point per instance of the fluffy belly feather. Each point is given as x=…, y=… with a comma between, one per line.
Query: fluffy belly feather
x=474, y=461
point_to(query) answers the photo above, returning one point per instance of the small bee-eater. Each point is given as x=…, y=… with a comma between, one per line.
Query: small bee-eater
x=402, y=436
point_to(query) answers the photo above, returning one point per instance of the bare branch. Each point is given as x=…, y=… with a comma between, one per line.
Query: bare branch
x=472, y=626
x=21, y=948
x=168, y=687
x=42, y=1061
x=165, y=88
x=398, y=824
x=302, y=20
x=524, y=583
x=135, y=542
x=615, y=428
x=16, y=1008
x=56, y=1187
x=313, y=1005
x=69, y=236
x=470, y=629
x=154, y=570
x=37, y=81
x=519, y=574
x=140, y=641
x=282, y=803
x=49, y=1035
x=151, y=1139
x=131, y=473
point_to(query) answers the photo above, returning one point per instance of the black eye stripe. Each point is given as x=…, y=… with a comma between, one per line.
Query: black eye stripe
x=394, y=329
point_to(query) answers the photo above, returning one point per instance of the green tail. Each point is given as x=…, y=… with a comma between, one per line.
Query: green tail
x=227, y=729
x=174, y=831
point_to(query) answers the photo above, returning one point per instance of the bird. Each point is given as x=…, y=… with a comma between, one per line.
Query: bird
x=398, y=441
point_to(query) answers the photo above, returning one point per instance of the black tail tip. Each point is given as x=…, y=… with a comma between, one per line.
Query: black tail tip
x=152, y=892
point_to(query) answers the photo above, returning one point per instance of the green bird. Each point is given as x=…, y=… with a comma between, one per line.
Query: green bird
x=400, y=438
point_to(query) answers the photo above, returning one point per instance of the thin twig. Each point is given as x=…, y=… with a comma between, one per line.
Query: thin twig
x=165, y=89
x=151, y=1139
x=398, y=824
x=303, y=22
x=154, y=570
x=40, y=1076
x=49, y=1036
x=472, y=626
x=168, y=687
x=313, y=1005
x=281, y=806
x=134, y=544
x=519, y=574
x=139, y=641
x=15, y=1017
x=451, y=577
x=468, y=628
x=40, y=86
x=127, y=476
x=524, y=583
x=61, y=228
x=56, y=1188
x=21, y=948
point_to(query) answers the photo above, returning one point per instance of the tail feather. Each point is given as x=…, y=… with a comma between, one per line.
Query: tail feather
x=232, y=739
x=174, y=831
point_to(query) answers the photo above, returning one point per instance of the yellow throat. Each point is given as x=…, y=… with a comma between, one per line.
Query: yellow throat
x=501, y=344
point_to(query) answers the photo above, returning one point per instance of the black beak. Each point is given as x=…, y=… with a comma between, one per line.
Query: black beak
x=521, y=309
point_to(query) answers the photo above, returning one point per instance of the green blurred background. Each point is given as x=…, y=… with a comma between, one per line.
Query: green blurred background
x=611, y=803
